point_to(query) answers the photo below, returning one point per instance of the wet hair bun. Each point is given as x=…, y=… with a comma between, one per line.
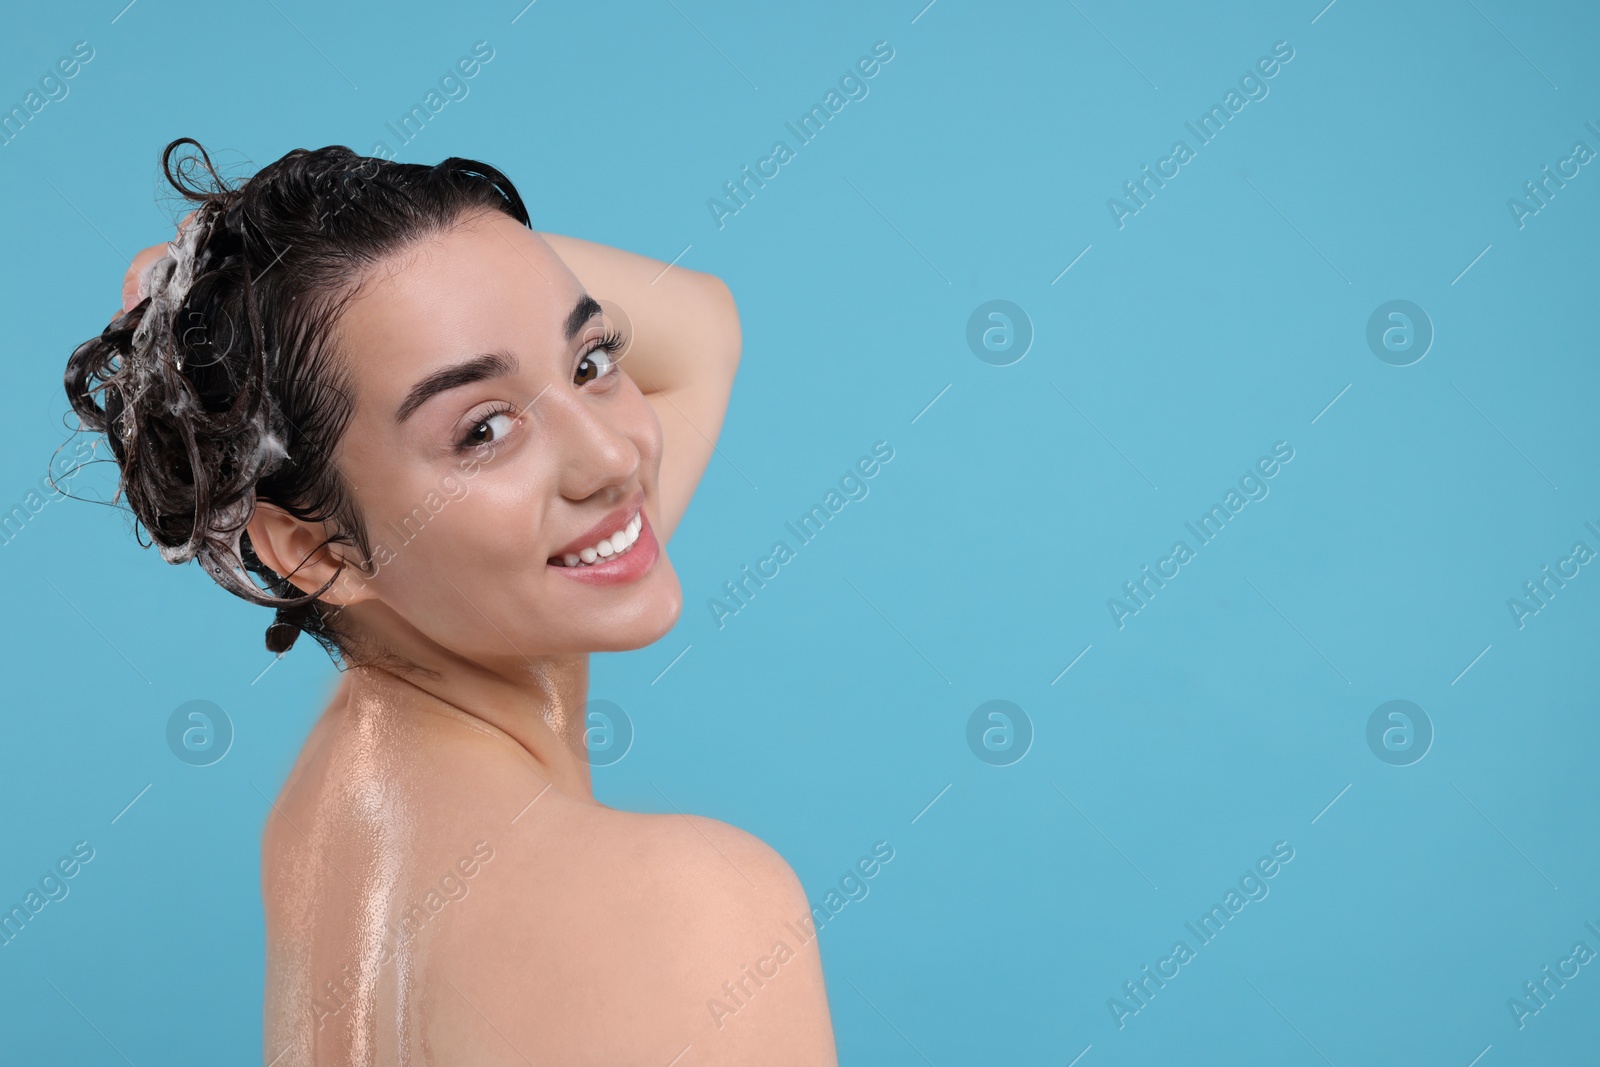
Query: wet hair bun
x=221, y=387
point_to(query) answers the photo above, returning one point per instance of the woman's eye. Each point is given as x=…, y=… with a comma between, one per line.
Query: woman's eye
x=489, y=430
x=596, y=364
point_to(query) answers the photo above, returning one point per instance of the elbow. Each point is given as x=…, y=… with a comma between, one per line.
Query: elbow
x=723, y=327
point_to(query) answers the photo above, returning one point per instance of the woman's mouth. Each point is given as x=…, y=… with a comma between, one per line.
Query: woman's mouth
x=624, y=555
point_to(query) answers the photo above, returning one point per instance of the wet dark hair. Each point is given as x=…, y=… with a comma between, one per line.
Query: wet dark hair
x=223, y=386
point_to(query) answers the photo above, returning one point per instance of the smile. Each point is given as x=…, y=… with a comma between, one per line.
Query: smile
x=618, y=544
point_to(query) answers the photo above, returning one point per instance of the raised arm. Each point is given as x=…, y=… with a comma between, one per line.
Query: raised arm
x=683, y=356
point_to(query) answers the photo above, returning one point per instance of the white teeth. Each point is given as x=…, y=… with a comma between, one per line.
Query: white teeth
x=615, y=545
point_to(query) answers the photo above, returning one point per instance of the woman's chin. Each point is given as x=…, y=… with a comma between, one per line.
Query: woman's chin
x=648, y=617
x=666, y=607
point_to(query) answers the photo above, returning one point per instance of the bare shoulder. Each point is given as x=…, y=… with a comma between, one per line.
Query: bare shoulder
x=705, y=854
x=657, y=935
x=369, y=781
x=523, y=918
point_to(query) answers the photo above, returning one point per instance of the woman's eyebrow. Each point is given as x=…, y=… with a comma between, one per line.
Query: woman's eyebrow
x=476, y=369
x=585, y=309
x=488, y=365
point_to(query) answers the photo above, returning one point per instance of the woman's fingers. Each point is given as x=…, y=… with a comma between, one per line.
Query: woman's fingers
x=133, y=281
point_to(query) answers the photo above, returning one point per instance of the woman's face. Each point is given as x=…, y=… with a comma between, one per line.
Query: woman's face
x=492, y=443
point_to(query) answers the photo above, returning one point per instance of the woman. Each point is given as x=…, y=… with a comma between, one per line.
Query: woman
x=372, y=386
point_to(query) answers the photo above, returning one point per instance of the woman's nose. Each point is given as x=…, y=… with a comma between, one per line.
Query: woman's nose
x=597, y=454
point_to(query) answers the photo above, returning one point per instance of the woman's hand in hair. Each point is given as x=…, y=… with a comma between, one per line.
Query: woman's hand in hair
x=133, y=280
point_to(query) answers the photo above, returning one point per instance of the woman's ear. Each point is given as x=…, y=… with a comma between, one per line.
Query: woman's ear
x=295, y=549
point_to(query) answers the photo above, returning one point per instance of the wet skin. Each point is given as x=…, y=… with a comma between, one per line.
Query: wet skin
x=439, y=883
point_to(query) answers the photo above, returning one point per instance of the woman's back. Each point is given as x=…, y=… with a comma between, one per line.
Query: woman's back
x=425, y=452
x=431, y=897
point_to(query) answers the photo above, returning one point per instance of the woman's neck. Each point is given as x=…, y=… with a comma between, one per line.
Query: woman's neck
x=537, y=702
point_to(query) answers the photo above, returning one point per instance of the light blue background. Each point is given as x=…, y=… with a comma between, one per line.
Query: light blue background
x=1224, y=316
